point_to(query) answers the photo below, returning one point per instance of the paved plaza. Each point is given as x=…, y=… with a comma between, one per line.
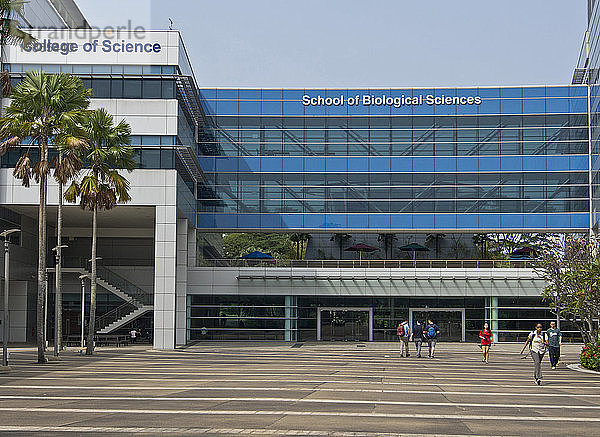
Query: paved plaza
x=339, y=389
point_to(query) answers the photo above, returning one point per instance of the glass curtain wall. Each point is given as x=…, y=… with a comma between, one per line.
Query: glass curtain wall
x=214, y=317
x=517, y=160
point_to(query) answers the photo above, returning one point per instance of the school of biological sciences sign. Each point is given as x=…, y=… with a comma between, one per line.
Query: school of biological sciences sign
x=385, y=100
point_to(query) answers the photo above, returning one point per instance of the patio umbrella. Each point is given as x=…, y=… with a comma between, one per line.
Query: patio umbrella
x=414, y=248
x=257, y=255
x=360, y=248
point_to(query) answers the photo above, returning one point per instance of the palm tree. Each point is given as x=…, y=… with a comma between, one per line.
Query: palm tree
x=304, y=239
x=103, y=186
x=295, y=238
x=10, y=33
x=299, y=239
x=435, y=239
x=43, y=108
x=388, y=241
x=341, y=240
x=66, y=166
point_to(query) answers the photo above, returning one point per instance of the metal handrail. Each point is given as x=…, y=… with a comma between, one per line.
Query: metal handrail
x=136, y=293
x=139, y=297
x=381, y=264
x=115, y=314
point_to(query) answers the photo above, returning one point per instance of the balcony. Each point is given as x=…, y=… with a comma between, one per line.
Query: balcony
x=371, y=264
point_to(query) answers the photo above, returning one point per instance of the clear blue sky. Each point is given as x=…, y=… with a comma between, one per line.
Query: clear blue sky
x=355, y=43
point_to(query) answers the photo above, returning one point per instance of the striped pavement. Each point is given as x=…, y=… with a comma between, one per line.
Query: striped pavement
x=322, y=389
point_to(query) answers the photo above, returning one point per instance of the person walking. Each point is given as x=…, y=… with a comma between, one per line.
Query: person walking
x=403, y=332
x=537, y=345
x=133, y=335
x=487, y=340
x=431, y=332
x=417, y=336
x=554, y=344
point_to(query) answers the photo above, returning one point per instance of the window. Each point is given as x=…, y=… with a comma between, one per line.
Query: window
x=132, y=88
x=101, y=88
x=152, y=89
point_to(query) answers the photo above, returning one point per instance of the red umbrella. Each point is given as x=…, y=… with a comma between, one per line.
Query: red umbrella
x=360, y=248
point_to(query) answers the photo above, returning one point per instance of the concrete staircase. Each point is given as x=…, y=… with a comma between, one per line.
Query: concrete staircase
x=137, y=312
x=137, y=302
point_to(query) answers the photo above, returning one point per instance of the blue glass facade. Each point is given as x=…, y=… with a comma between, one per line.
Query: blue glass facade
x=468, y=159
x=590, y=61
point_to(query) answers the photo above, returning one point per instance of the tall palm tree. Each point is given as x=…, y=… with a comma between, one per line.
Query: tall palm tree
x=388, y=241
x=103, y=186
x=435, y=239
x=341, y=240
x=10, y=33
x=67, y=164
x=300, y=239
x=43, y=107
x=304, y=239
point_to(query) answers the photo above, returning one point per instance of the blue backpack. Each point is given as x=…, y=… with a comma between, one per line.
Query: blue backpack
x=431, y=332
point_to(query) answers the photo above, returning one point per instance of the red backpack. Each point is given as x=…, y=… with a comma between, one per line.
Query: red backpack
x=400, y=330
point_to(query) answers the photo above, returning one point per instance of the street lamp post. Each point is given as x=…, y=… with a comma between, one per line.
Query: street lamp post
x=5, y=332
x=58, y=300
x=82, y=277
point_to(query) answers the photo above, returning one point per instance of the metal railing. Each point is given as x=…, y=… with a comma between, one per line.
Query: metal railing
x=112, y=316
x=373, y=264
x=136, y=293
x=137, y=297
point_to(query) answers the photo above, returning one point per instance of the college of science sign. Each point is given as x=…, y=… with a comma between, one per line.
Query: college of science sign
x=384, y=100
x=94, y=47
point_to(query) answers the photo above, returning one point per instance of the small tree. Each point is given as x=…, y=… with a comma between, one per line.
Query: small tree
x=102, y=187
x=572, y=272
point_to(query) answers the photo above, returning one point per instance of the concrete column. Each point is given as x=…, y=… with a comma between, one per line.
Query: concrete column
x=17, y=311
x=493, y=313
x=181, y=286
x=291, y=318
x=165, y=276
x=188, y=320
x=191, y=262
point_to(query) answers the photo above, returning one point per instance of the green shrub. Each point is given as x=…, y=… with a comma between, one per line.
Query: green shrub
x=590, y=357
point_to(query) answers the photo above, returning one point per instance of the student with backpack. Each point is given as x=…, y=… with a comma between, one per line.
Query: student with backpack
x=431, y=332
x=417, y=336
x=487, y=340
x=538, y=343
x=403, y=332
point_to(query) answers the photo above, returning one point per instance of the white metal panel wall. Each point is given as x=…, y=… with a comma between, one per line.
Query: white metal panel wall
x=145, y=116
x=168, y=55
x=17, y=309
x=322, y=282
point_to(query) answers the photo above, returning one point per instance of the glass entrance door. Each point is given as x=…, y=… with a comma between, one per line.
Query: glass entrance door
x=450, y=322
x=344, y=325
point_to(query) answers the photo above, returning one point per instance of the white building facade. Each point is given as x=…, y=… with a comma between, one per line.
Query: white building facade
x=145, y=78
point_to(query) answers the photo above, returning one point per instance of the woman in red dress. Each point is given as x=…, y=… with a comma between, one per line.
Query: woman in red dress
x=487, y=340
